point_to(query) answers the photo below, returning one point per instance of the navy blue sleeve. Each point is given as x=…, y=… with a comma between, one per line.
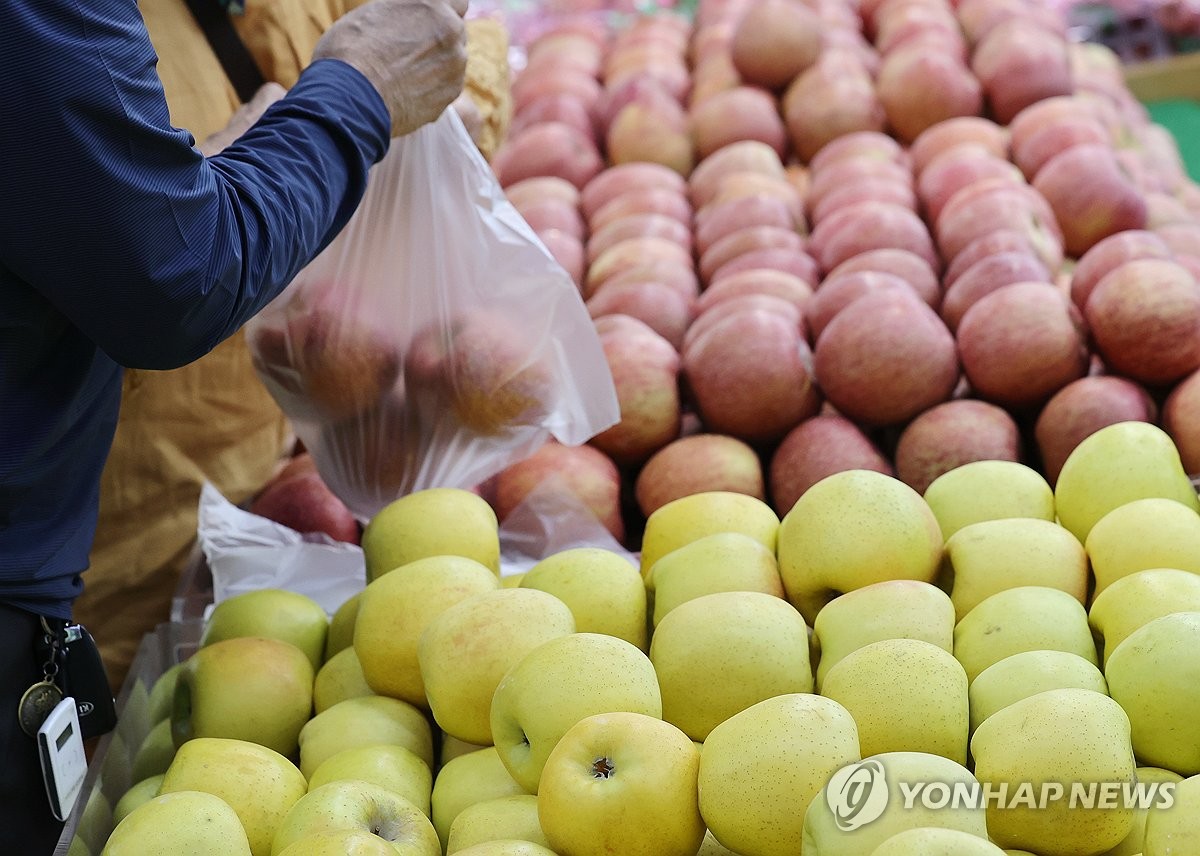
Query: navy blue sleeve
x=154, y=252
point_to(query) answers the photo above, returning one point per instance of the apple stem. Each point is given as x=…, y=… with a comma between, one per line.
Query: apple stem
x=603, y=768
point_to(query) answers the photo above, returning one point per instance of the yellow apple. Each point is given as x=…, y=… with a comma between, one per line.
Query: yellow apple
x=871, y=805
x=506, y=848
x=1068, y=738
x=894, y=609
x=1155, y=676
x=988, y=490
x=468, y=779
x=760, y=769
x=452, y=747
x=143, y=791
x=393, y=767
x=1175, y=831
x=344, y=842
x=364, y=721
x=936, y=842
x=1027, y=618
x=690, y=518
x=1134, y=841
x=162, y=694
x=274, y=614
x=559, y=683
x=512, y=818
x=360, y=806
x=258, y=783
x=1138, y=599
x=435, y=522
x=988, y=557
x=394, y=611
x=96, y=821
x=906, y=696
x=850, y=530
x=341, y=627
x=512, y=580
x=1029, y=673
x=190, y=822
x=727, y=561
x=603, y=590
x=468, y=648
x=154, y=755
x=340, y=678
x=622, y=783
x=78, y=847
x=721, y=653
x=1090, y=485
x=1142, y=535
x=245, y=688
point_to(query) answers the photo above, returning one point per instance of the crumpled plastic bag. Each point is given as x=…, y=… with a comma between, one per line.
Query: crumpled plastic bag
x=436, y=340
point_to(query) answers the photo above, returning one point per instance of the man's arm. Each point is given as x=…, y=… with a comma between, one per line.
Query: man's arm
x=154, y=252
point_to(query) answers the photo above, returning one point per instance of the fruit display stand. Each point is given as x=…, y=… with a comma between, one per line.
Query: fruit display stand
x=110, y=766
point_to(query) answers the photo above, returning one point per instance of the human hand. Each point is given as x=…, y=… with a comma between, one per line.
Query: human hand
x=243, y=119
x=412, y=51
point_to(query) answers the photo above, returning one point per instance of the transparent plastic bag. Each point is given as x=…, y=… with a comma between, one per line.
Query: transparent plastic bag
x=435, y=341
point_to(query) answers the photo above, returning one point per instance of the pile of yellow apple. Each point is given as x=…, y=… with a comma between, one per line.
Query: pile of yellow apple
x=993, y=631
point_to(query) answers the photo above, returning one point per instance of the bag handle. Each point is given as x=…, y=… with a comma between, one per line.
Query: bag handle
x=239, y=65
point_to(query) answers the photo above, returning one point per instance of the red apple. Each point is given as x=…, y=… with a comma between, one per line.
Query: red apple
x=581, y=471
x=621, y=180
x=986, y=276
x=1082, y=408
x=919, y=88
x=742, y=113
x=303, y=502
x=638, y=226
x=1109, y=254
x=1091, y=197
x=548, y=148
x=952, y=434
x=870, y=226
x=664, y=309
x=908, y=266
x=958, y=131
x=829, y=99
x=818, y=448
x=797, y=263
x=698, y=464
x=838, y=292
x=774, y=41
x=1181, y=419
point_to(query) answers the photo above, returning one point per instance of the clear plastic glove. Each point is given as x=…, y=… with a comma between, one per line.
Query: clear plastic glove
x=412, y=51
x=243, y=119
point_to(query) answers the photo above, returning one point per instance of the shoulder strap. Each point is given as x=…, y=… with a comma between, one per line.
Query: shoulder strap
x=239, y=66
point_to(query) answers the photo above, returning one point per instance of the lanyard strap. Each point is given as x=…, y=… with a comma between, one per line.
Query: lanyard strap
x=239, y=66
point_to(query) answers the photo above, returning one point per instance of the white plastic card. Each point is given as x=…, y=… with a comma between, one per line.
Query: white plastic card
x=64, y=764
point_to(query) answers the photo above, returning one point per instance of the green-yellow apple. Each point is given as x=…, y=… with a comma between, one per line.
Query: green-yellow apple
x=1135, y=840
x=468, y=779
x=690, y=518
x=116, y=770
x=505, y=819
x=452, y=747
x=906, y=696
x=468, y=648
x=394, y=611
x=343, y=842
x=341, y=627
x=850, y=530
x=1175, y=831
x=1142, y=535
x=341, y=677
x=143, y=791
x=393, y=767
x=1029, y=673
x=155, y=753
x=864, y=805
x=162, y=694
x=258, y=783
x=1063, y=744
x=78, y=847
x=984, y=558
x=512, y=580
x=507, y=848
x=603, y=590
x=363, y=806
x=96, y=821
x=894, y=609
x=988, y=490
x=727, y=561
x=559, y=683
x=721, y=653
x=622, y=783
x=191, y=822
x=1155, y=676
x=1138, y=599
x=1090, y=486
x=440, y=521
x=936, y=842
x=246, y=688
x=274, y=614
x=364, y=721
x=760, y=769
x=1026, y=618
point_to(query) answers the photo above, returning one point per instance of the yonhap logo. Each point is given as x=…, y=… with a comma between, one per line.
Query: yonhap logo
x=857, y=794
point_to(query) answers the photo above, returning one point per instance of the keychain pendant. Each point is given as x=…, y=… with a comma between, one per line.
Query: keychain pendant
x=37, y=703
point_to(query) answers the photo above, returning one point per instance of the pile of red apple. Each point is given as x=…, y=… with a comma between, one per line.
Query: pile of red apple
x=823, y=235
